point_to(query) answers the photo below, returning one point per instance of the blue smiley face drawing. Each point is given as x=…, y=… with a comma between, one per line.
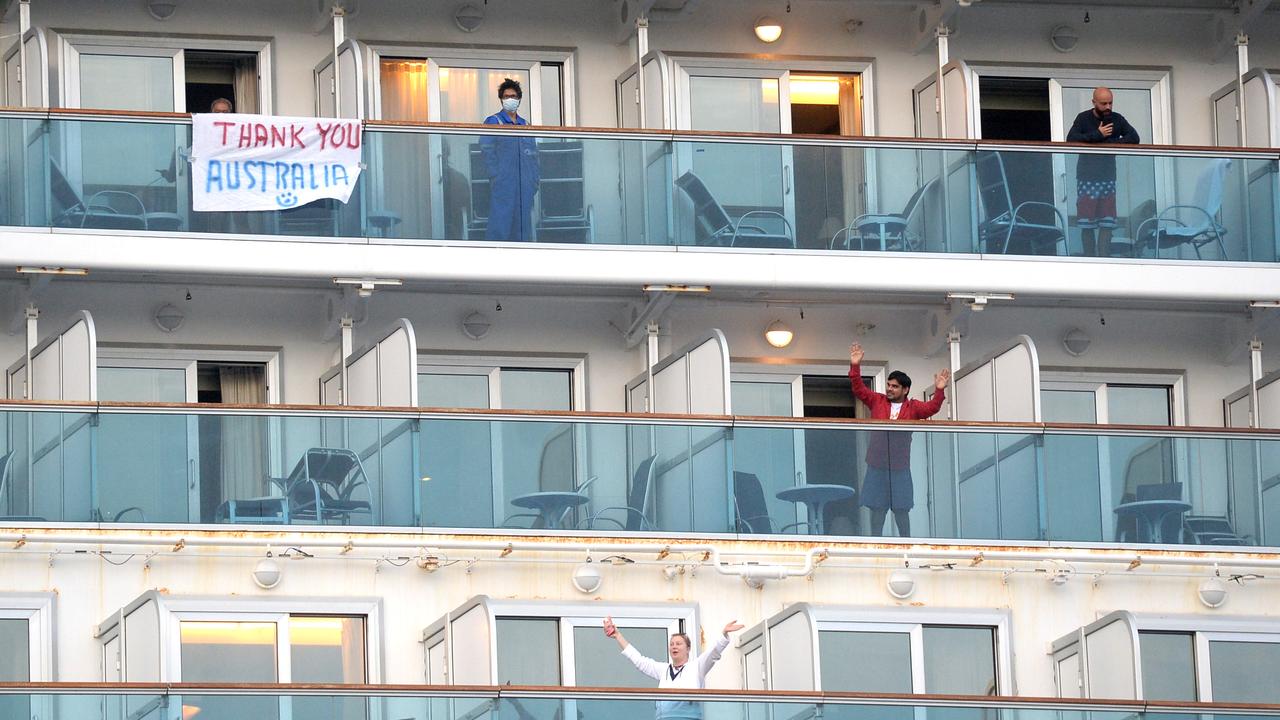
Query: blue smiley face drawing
x=286, y=199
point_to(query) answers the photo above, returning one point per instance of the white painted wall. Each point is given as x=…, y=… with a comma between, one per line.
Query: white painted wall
x=89, y=589
x=1195, y=343
x=1181, y=41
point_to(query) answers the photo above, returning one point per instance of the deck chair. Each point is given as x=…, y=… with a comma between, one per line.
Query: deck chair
x=323, y=485
x=751, y=509
x=635, y=512
x=1028, y=228
x=887, y=228
x=1198, y=225
x=106, y=209
x=1211, y=530
x=713, y=226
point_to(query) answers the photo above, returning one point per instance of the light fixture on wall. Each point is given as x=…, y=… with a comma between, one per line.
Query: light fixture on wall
x=267, y=573
x=901, y=584
x=469, y=17
x=778, y=334
x=1076, y=342
x=169, y=318
x=1064, y=38
x=768, y=29
x=476, y=325
x=162, y=9
x=587, y=577
x=1212, y=592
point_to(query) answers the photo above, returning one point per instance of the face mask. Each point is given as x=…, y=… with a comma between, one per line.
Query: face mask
x=510, y=104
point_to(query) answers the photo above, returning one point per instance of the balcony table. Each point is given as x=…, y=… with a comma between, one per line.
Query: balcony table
x=815, y=497
x=551, y=505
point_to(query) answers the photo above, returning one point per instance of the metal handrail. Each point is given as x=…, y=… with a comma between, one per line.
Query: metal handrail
x=614, y=418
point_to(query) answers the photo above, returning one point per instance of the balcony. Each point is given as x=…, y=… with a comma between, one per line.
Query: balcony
x=75, y=171
x=65, y=701
x=576, y=474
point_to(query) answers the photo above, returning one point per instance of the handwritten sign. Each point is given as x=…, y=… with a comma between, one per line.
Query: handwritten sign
x=264, y=162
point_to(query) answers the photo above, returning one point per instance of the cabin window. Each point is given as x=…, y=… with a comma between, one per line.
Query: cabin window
x=1176, y=666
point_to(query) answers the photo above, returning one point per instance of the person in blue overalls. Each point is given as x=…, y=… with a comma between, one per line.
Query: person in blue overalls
x=512, y=162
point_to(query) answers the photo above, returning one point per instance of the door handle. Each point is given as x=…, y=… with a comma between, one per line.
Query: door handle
x=786, y=179
x=1064, y=186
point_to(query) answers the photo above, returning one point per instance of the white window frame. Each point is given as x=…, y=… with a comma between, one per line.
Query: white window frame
x=120, y=355
x=1204, y=630
x=912, y=621
x=37, y=610
x=71, y=44
x=1057, y=378
x=686, y=64
x=516, y=58
x=491, y=365
x=572, y=615
x=179, y=610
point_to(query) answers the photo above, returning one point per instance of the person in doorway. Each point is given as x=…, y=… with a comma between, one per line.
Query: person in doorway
x=887, y=485
x=1096, y=173
x=512, y=163
x=221, y=105
x=677, y=673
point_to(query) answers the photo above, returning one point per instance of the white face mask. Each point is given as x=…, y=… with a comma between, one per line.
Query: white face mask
x=510, y=104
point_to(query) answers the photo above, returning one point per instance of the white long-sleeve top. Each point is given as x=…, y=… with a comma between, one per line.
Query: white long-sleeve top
x=692, y=676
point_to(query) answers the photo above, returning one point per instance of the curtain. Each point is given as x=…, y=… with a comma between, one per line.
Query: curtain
x=404, y=185
x=853, y=168
x=243, y=437
x=246, y=85
x=404, y=90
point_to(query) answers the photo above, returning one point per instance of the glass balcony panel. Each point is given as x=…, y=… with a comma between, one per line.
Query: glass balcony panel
x=582, y=473
x=424, y=184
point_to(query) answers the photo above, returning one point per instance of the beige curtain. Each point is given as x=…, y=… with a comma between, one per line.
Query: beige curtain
x=404, y=185
x=854, y=166
x=246, y=85
x=243, y=438
x=404, y=90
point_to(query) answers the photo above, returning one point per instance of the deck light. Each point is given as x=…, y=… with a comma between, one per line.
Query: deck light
x=768, y=29
x=778, y=334
x=1212, y=592
x=267, y=573
x=476, y=325
x=901, y=585
x=46, y=270
x=587, y=577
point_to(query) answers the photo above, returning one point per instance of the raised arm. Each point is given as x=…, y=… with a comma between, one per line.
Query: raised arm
x=860, y=389
x=648, y=666
x=707, y=660
x=934, y=404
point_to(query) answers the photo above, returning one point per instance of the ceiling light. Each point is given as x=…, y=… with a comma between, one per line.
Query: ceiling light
x=45, y=270
x=978, y=301
x=1076, y=342
x=587, y=578
x=1064, y=38
x=468, y=18
x=267, y=573
x=1212, y=592
x=901, y=585
x=650, y=287
x=778, y=334
x=768, y=29
x=162, y=9
x=476, y=325
x=169, y=318
x=366, y=286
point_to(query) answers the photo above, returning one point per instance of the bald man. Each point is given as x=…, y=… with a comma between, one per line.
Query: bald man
x=1096, y=174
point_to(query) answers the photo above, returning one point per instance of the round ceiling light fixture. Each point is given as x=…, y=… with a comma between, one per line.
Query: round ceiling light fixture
x=768, y=29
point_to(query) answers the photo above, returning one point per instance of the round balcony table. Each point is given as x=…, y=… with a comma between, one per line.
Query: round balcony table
x=551, y=505
x=816, y=498
x=1149, y=516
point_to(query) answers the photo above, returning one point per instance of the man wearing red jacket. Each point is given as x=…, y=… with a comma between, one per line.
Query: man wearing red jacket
x=887, y=485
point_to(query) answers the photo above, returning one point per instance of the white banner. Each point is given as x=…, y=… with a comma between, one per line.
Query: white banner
x=264, y=162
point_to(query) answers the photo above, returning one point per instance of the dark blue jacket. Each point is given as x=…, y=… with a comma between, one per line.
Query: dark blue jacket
x=1085, y=130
